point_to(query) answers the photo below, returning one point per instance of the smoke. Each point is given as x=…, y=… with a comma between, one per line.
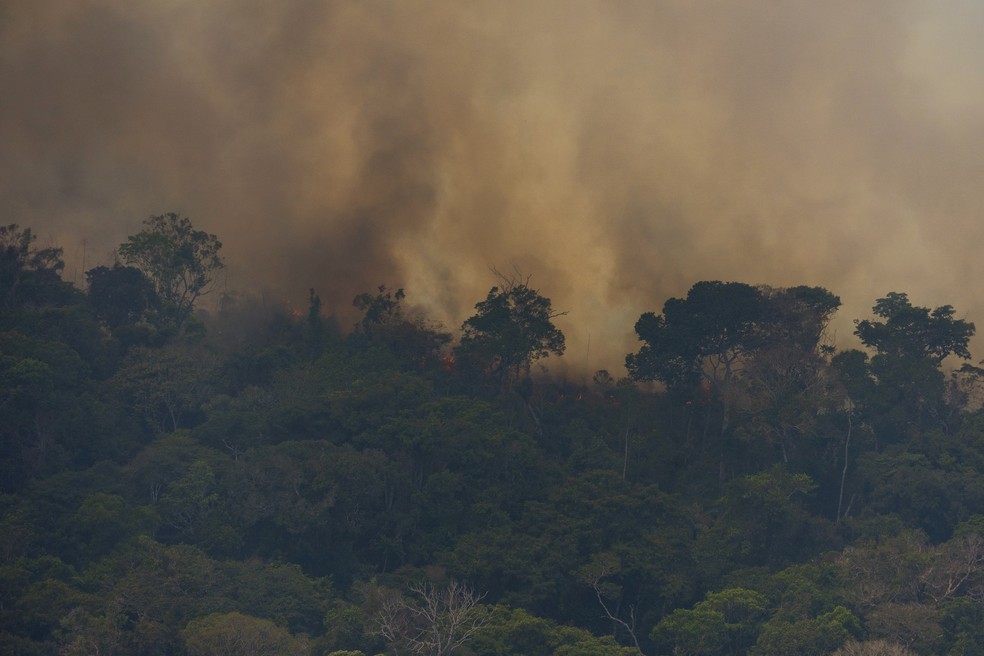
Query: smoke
x=617, y=152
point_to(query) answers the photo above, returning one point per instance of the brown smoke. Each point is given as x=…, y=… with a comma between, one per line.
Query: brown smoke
x=616, y=151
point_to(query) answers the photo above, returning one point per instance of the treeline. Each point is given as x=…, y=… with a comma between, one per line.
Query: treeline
x=180, y=482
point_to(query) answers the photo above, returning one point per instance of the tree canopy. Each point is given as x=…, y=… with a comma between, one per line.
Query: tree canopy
x=307, y=490
x=708, y=334
x=512, y=328
x=915, y=332
x=178, y=259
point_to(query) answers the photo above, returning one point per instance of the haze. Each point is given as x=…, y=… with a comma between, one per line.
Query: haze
x=616, y=151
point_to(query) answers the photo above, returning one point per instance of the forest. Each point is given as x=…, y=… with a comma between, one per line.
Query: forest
x=176, y=480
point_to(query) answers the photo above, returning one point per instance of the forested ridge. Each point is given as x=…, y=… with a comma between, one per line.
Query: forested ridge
x=248, y=480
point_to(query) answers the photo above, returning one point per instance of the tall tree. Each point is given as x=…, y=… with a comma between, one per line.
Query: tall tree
x=512, y=328
x=706, y=340
x=915, y=332
x=700, y=337
x=179, y=260
x=707, y=335
x=785, y=391
x=910, y=345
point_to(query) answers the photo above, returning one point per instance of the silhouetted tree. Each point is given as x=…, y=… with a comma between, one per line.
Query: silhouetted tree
x=512, y=329
x=910, y=345
x=915, y=332
x=124, y=301
x=28, y=275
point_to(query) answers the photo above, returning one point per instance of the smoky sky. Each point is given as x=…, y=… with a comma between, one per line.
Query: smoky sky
x=617, y=152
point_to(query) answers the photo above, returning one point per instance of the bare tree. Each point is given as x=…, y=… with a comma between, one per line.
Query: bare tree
x=873, y=648
x=955, y=568
x=432, y=621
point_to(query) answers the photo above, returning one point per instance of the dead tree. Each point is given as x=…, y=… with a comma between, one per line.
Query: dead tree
x=431, y=621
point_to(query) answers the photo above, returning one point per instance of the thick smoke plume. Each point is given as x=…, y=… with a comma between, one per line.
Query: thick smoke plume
x=616, y=151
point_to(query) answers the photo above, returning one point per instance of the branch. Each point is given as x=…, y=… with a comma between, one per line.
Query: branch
x=596, y=585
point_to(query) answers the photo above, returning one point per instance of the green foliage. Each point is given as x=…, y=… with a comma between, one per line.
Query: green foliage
x=804, y=591
x=104, y=520
x=706, y=335
x=762, y=520
x=807, y=637
x=245, y=487
x=749, y=362
x=514, y=631
x=166, y=385
x=933, y=496
x=963, y=627
x=725, y=622
x=235, y=634
x=179, y=260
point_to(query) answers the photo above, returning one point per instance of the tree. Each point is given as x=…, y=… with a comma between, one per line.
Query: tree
x=802, y=314
x=124, y=300
x=910, y=344
x=235, y=634
x=915, y=332
x=27, y=274
x=512, y=329
x=379, y=310
x=609, y=593
x=387, y=323
x=434, y=621
x=725, y=622
x=165, y=385
x=707, y=335
x=787, y=398
x=761, y=521
x=806, y=637
x=873, y=648
x=179, y=260
x=41, y=406
x=701, y=337
x=700, y=345
x=514, y=631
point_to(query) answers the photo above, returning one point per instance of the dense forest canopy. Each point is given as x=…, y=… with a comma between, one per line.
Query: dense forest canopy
x=182, y=481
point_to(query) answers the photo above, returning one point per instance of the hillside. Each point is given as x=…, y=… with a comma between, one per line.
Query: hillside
x=252, y=480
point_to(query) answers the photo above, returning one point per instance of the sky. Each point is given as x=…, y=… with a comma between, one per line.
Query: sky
x=614, y=151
